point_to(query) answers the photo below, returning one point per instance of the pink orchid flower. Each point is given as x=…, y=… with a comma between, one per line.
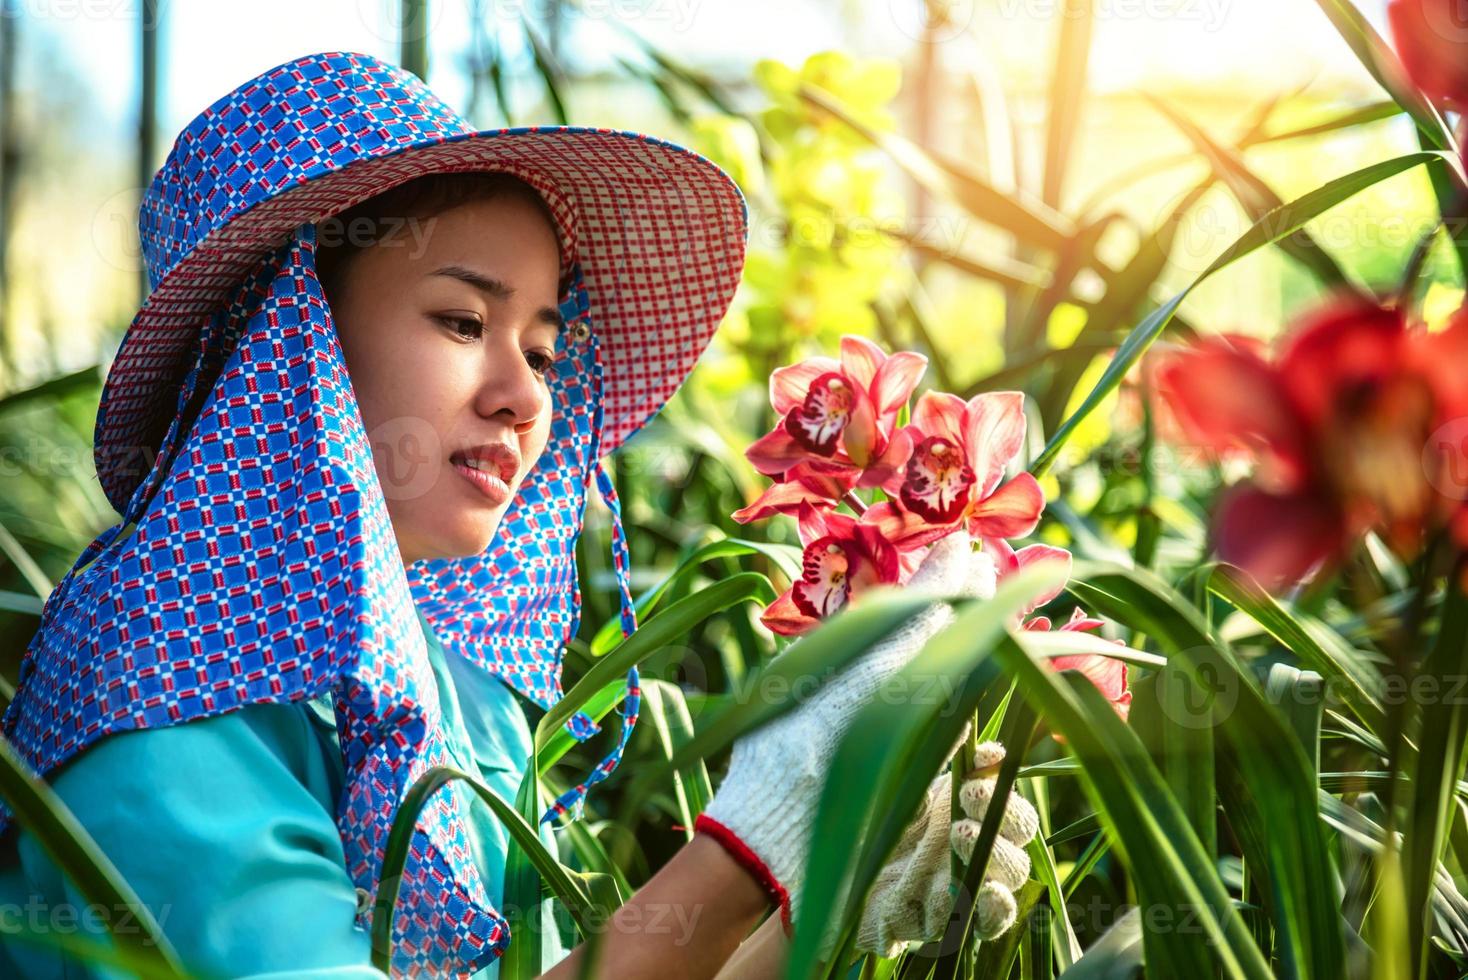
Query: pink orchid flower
x=960, y=451
x=838, y=425
x=1107, y=673
x=843, y=556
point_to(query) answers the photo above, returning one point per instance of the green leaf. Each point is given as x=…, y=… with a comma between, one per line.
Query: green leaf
x=668, y=626
x=1443, y=728
x=1317, y=646
x=785, y=557
x=1168, y=865
x=1067, y=94
x=551, y=75
x=1382, y=63
x=1272, y=227
x=1117, y=955
x=564, y=887
x=1264, y=775
x=1257, y=198
x=664, y=706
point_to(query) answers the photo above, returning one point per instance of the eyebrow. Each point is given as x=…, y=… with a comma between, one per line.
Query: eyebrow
x=499, y=290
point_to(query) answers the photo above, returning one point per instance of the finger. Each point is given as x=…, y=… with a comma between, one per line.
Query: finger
x=994, y=910
x=987, y=756
x=1009, y=865
x=1020, y=821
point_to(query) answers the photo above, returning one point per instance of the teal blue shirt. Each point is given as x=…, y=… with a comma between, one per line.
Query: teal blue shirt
x=225, y=827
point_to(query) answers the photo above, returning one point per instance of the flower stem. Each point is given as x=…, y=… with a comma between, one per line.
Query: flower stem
x=855, y=502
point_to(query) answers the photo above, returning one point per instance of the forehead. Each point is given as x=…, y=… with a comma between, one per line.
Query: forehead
x=506, y=236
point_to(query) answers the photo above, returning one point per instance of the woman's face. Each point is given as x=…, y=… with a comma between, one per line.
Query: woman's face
x=449, y=335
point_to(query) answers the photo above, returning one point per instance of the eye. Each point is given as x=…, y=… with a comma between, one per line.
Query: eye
x=457, y=325
x=541, y=361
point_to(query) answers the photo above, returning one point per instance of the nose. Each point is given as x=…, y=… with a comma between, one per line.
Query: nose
x=509, y=389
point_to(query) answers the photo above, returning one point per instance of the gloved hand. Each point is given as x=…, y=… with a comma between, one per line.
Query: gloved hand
x=911, y=900
x=764, y=810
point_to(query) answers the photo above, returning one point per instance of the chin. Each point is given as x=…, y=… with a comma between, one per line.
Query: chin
x=465, y=539
x=468, y=539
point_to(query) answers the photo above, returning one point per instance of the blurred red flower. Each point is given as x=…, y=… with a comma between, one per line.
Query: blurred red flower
x=1432, y=40
x=1338, y=425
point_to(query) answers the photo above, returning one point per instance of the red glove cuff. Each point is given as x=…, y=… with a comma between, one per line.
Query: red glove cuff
x=749, y=861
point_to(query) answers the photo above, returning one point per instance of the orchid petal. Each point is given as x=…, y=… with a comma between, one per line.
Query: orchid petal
x=938, y=413
x=825, y=585
x=895, y=382
x=1036, y=554
x=887, y=469
x=1336, y=348
x=780, y=498
x=904, y=529
x=861, y=438
x=1278, y=539
x=775, y=452
x=1225, y=397
x=993, y=432
x=879, y=562
x=1108, y=674
x=938, y=484
x=783, y=617
x=819, y=421
x=1012, y=511
x=861, y=360
x=788, y=385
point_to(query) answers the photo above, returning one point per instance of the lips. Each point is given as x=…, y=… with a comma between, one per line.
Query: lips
x=491, y=468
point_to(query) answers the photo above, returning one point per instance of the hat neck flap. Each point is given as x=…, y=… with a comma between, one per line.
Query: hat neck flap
x=262, y=567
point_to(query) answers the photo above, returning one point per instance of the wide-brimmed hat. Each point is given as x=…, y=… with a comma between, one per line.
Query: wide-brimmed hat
x=657, y=230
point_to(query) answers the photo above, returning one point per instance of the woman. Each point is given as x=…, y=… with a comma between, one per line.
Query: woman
x=233, y=687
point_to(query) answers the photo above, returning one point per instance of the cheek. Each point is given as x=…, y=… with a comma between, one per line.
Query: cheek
x=533, y=444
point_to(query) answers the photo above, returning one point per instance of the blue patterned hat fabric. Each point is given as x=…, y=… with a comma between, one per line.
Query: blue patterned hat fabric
x=262, y=565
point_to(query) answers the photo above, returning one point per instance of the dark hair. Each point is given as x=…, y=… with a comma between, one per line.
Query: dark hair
x=344, y=235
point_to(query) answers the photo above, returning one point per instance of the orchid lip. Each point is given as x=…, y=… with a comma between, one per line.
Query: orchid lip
x=499, y=458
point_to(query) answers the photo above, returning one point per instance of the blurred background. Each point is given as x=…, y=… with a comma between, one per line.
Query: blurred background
x=1008, y=186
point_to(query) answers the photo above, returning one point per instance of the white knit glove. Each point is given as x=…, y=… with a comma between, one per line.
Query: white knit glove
x=912, y=897
x=764, y=810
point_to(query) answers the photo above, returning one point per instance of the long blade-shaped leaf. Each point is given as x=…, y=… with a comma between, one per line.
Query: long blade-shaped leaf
x=1313, y=642
x=1168, y=865
x=1257, y=198
x=1443, y=728
x=563, y=885
x=666, y=627
x=1267, y=780
x=1282, y=221
x=1382, y=63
